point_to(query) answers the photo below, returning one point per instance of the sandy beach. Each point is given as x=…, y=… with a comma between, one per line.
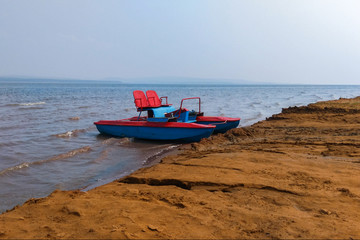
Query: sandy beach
x=294, y=175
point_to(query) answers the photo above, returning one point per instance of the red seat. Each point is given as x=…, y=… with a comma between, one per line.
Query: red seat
x=140, y=99
x=153, y=98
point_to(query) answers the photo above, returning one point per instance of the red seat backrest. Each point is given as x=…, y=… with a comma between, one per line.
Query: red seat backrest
x=140, y=99
x=153, y=98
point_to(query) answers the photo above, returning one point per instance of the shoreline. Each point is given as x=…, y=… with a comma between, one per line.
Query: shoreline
x=294, y=175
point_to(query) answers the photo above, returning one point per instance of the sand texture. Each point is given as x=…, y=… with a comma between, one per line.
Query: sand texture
x=295, y=175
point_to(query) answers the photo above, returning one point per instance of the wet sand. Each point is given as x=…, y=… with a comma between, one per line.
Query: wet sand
x=295, y=175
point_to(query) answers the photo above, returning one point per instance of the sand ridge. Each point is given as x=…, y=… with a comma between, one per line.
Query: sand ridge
x=295, y=175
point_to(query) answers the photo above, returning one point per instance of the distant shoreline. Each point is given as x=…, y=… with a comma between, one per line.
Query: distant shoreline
x=10, y=80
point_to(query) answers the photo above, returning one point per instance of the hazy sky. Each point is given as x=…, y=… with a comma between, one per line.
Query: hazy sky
x=285, y=41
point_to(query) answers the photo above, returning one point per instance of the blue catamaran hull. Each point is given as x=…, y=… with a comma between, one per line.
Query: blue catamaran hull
x=222, y=124
x=188, y=132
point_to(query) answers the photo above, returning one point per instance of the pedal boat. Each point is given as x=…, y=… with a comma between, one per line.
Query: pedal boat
x=164, y=122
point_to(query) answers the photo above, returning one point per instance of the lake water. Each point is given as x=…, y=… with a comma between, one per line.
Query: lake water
x=48, y=140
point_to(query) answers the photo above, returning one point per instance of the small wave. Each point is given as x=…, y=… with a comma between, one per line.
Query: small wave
x=159, y=153
x=66, y=155
x=317, y=97
x=69, y=134
x=17, y=167
x=30, y=108
x=11, y=105
x=159, y=146
x=31, y=103
x=256, y=117
x=254, y=104
x=23, y=104
x=111, y=141
x=64, y=135
x=62, y=156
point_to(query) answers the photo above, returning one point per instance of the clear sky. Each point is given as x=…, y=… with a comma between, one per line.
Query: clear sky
x=284, y=41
